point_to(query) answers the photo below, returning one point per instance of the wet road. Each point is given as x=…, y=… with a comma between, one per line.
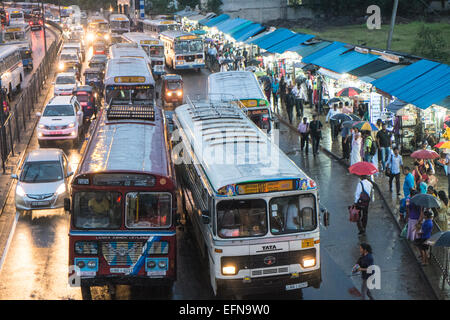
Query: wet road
x=36, y=265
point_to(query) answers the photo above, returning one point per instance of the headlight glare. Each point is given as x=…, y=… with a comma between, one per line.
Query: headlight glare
x=229, y=270
x=20, y=192
x=308, y=262
x=61, y=189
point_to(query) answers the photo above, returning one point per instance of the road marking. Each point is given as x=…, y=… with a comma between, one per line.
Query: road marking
x=8, y=243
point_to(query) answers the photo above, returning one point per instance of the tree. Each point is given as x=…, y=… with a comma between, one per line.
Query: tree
x=214, y=6
x=430, y=43
x=188, y=3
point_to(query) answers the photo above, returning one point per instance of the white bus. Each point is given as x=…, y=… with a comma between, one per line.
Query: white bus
x=11, y=69
x=20, y=35
x=152, y=46
x=246, y=88
x=155, y=27
x=253, y=212
x=128, y=78
x=183, y=50
x=129, y=50
x=14, y=16
x=119, y=23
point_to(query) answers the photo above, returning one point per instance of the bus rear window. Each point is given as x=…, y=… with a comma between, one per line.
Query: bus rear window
x=241, y=218
x=97, y=210
x=148, y=210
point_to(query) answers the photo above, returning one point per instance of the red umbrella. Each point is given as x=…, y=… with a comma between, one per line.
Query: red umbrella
x=425, y=154
x=363, y=168
x=437, y=145
x=348, y=92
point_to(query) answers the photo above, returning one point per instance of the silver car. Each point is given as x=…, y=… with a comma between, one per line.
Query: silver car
x=43, y=182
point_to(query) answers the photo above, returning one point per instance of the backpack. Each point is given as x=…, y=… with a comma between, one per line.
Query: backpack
x=364, y=197
x=373, y=147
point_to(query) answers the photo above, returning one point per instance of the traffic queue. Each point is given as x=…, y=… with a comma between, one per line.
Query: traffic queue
x=156, y=158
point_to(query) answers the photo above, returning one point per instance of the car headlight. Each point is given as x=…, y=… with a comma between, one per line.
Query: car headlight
x=61, y=189
x=229, y=270
x=71, y=125
x=20, y=192
x=308, y=262
x=61, y=66
x=41, y=126
x=169, y=94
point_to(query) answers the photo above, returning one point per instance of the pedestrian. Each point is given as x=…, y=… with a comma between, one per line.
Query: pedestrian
x=347, y=109
x=442, y=212
x=275, y=91
x=363, y=264
x=430, y=139
x=361, y=110
x=369, y=146
x=346, y=140
x=267, y=87
x=423, y=235
x=355, y=154
x=394, y=166
x=333, y=123
x=384, y=144
x=413, y=213
x=447, y=162
x=298, y=100
x=303, y=128
x=362, y=201
x=290, y=100
x=423, y=186
x=408, y=183
x=315, y=130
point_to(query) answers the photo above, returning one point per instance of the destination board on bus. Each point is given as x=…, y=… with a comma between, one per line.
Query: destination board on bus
x=168, y=22
x=129, y=87
x=116, y=179
x=126, y=79
x=264, y=187
x=12, y=29
x=149, y=42
x=188, y=37
x=254, y=103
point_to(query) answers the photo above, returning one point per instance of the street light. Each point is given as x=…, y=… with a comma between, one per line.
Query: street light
x=43, y=25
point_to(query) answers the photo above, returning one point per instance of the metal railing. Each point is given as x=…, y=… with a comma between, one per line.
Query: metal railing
x=20, y=115
x=440, y=255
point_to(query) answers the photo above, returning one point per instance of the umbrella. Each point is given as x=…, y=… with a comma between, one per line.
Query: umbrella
x=254, y=62
x=227, y=60
x=426, y=201
x=425, y=154
x=348, y=124
x=365, y=125
x=300, y=79
x=443, y=145
x=363, y=168
x=341, y=117
x=334, y=100
x=239, y=58
x=349, y=92
x=252, y=69
x=440, y=239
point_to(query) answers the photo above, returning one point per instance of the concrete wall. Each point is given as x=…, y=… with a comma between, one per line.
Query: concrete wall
x=263, y=10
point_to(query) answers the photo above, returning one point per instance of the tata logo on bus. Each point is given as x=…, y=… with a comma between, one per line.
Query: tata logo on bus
x=269, y=248
x=129, y=79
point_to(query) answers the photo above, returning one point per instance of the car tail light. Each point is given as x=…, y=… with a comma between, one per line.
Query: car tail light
x=41, y=22
x=180, y=58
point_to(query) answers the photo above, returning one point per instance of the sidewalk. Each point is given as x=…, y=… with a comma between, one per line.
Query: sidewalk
x=390, y=202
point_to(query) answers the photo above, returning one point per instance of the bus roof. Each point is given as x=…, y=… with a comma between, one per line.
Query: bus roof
x=118, y=17
x=113, y=141
x=128, y=67
x=7, y=49
x=159, y=22
x=141, y=38
x=242, y=84
x=231, y=148
x=128, y=50
x=173, y=34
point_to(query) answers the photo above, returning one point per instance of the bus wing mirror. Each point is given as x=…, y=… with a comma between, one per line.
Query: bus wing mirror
x=205, y=217
x=67, y=204
x=157, y=95
x=325, y=217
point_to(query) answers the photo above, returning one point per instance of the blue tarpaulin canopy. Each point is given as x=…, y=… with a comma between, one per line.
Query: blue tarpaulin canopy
x=289, y=43
x=273, y=38
x=321, y=52
x=247, y=32
x=215, y=20
x=396, y=105
x=228, y=25
x=305, y=50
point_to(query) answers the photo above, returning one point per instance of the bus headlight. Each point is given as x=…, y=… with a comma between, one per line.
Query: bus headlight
x=308, y=262
x=71, y=125
x=61, y=66
x=229, y=270
x=169, y=94
x=106, y=36
x=90, y=36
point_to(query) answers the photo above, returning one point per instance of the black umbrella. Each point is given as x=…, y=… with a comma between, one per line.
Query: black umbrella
x=440, y=239
x=254, y=62
x=227, y=60
x=300, y=79
x=348, y=124
x=334, y=100
x=341, y=117
x=426, y=201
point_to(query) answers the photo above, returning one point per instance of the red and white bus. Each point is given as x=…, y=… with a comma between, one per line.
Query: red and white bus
x=123, y=201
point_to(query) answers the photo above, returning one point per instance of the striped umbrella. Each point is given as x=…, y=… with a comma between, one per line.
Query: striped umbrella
x=443, y=145
x=365, y=125
x=348, y=92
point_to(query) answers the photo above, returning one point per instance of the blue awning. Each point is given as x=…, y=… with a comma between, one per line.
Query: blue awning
x=305, y=50
x=319, y=53
x=216, y=20
x=228, y=25
x=273, y=38
x=396, y=105
x=247, y=32
x=341, y=60
x=289, y=43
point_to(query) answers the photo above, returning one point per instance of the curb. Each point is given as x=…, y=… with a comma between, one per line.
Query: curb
x=385, y=204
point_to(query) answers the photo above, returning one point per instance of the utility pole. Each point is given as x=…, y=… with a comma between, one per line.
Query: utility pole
x=391, y=30
x=43, y=25
x=2, y=128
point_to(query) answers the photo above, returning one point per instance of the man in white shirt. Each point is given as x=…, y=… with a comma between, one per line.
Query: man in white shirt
x=362, y=201
x=333, y=123
x=297, y=91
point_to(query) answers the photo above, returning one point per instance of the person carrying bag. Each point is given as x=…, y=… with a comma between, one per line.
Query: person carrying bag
x=362, y=201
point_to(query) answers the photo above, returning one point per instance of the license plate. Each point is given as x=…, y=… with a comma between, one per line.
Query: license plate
x=40, y=203
x=307, y=243
x=296, y=286
x=56, y=132
x=87, y=273
x=156, y=273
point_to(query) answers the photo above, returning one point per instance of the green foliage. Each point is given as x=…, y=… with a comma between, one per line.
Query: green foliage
x=214, y=6
x=161, y=7
x=184, y=3
x=430, y=43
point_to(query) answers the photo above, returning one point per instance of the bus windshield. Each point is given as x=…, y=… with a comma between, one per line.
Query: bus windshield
x=188, y=46
x=241, y=218
x=148, y=209
x=292, y=214
x=261, y=119
x=14, y=36
x=156, y=51
x=129, y=94
x=16, y=15
x=97, y=210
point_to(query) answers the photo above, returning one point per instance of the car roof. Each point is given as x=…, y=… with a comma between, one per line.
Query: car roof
x=44, y=154
x=58, y=100
x=172, y=77
x=66, y=74
x=69, y=50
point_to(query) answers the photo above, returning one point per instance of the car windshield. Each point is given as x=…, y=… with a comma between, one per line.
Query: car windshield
x=97, y=210
x=41, y=171
x=91, y=77
x=241, y=218
x=65, y=80
x=148, y=210
x=58, y=110
x=292, y=214
x=173, y=85
x=68, y=56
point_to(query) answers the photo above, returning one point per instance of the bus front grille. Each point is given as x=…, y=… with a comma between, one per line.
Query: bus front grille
x=121, y=253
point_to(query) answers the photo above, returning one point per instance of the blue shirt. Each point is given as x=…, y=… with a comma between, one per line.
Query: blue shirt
x=394, y=162
x=427, y=226
x=345, y=132
x=408, y=184
x=423, y=187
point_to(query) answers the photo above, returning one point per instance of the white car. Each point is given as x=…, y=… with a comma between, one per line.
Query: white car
x=43, y=181
x=61, y=120
x=65, y=83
